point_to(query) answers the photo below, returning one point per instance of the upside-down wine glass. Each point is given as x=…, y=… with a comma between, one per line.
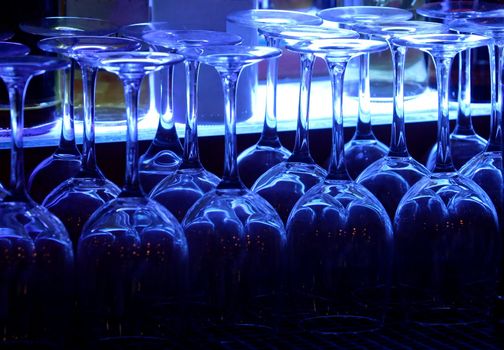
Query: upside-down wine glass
x=447, y=242
x=364, y=148
x=339, y=236
x=65, y=161
x=390, y=177
x=36, y=258
x=165, y=151
x=9, y=49
x=235, y=237
x=283, y=184
x=180, y=190
x=486, y=168
x=464, y=141
x=268, y=151
x=75, y=199
x=132, y=253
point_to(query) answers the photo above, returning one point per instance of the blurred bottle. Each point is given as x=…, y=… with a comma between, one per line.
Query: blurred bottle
x=380, y=64
x=199, y=15
x=109, y=91
x=42, y=104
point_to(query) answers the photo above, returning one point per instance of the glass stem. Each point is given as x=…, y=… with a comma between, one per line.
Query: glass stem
x=398, y=146
x=67, y=143
x=230, y=177
x=363, y=129
x=497, y=89
x=337, y=168
x=166, y=134
x=464, y=121
x=17, y=91
x=131, y=183
x=190, y=158
x=269, y=135
x=301, y=152
x=443, y=157
x=89, y=167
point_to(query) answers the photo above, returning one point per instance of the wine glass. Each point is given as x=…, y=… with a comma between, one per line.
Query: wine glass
x=9, y=49
x=364, y=148
x=339, y=236
x=76, y=198
x=235, y=237
x=390, y=177
x=447, y=242
x=268, y=151
x=180, y=190
x=132, y=252
x=65, y=161
x=283, y=184
x=486, y=167
x=464, y=141
x=164, y=154
x=36, y=253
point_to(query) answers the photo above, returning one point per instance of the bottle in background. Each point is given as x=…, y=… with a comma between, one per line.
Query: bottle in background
x=199, y=15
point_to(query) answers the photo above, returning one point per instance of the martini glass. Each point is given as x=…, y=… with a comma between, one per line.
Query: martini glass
x=164, y=154
x=283, y=184
x=447, y=242
x=464, y=141
x=364, y=148
x=339, y=236
x=36, y=253
x=8, y=49
x=75, y=199
x=179, y=191
x=390, y=177
x=268, y=151
x=131, y=240
x=65, y=161
x=235, y=237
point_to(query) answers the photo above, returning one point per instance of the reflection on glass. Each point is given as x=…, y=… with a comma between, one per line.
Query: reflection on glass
x=447, y=241
x=339, y=236
x=235, y=237
x=132, y=252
